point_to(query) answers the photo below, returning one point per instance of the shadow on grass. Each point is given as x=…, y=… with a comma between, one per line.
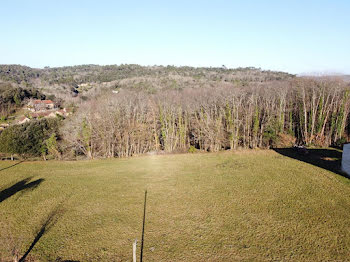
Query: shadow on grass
x=20, y=186
x=325, y=158
x=11, y=166
x=49, y=222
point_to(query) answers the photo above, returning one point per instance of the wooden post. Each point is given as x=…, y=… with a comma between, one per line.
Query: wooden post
x=134, y=251
x=143, y=226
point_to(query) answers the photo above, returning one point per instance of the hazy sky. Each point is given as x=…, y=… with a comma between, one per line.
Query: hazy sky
x=295, y=36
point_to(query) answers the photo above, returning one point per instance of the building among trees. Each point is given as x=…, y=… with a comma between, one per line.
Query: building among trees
x=39, y=105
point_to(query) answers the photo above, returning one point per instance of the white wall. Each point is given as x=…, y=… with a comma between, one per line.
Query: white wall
x=345, y=161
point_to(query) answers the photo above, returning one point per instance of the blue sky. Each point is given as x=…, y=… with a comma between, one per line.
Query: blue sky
x=295, y=36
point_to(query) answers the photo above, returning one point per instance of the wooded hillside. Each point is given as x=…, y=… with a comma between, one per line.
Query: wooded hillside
x=129, y=109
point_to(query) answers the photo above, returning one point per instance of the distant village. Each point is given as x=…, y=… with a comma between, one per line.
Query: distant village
x=37, y=109
x=43, y=109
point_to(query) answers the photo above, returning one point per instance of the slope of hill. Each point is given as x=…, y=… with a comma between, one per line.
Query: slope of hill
x=98, y=74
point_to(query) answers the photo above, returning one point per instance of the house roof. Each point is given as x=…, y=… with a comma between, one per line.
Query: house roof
x=41, y=114
x=22, y=118
x=36, y=102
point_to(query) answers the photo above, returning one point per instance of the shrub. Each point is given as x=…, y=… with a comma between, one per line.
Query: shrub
x=27, y=139
x=270, y=137
x=192, y=149
x=340, y=142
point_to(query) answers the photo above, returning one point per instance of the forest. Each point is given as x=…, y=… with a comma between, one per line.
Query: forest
x=126, y=110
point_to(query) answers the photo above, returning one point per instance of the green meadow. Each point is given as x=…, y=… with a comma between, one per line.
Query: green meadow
x=257, y=205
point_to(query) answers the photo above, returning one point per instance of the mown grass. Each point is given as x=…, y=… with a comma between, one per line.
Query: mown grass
x=242, y=206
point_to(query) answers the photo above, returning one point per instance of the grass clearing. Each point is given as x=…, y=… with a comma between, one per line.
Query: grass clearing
x=242, y=206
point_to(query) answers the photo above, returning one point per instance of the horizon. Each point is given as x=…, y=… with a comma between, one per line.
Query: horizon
x=295, y=37
x=315, y=74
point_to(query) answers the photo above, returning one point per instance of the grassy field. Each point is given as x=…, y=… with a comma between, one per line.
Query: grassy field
x=242, y=206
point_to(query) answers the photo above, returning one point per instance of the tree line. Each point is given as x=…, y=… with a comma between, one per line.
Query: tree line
x=131, y=122
x=73, y=75
x=300, y=111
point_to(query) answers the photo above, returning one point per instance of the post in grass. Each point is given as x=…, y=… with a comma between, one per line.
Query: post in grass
x=143, y=226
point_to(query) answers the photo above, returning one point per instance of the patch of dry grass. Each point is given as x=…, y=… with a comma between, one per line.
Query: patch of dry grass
x=257, y=206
